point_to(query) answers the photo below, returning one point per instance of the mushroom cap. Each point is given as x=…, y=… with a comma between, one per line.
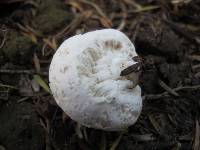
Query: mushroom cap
x=85, y=80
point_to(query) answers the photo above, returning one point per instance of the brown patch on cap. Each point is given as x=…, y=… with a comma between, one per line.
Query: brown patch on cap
x=116, y=45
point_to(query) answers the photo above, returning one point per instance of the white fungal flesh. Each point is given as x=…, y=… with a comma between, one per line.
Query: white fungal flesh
x=86, y=83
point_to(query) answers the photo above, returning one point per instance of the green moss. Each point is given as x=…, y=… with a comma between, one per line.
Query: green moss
x=19, y=127
x=17, y=49
x=51, y=16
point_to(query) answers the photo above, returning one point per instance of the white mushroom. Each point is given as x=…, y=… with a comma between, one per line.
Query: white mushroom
x=86, y=83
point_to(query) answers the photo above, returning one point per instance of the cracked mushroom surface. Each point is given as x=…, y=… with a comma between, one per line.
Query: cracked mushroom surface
x=86, y=82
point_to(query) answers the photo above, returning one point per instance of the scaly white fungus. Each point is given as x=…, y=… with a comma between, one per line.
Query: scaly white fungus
x=86, y=83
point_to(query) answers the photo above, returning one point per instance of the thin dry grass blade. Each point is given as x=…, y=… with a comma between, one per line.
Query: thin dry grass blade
x=167, y=88
x=75, y=5
x=42, y=83
x=36, y=62
x=196, y=145
x=50, y=43
x=116, y=142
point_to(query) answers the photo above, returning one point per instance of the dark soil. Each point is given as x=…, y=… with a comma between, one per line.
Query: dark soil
x=167, y=37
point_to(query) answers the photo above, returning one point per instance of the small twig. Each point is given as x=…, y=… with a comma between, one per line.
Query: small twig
x=183, y=32
x=28, y=29
x=143, y=137
x=117, y=141
x=194, y=57
x=22, y=99
x=73, y=25
x=181, y=1
x=133, y=3
x=6, y=71
x=123, y=17
x=17, y=71
x=164, y=94
x=187, y=87
x=196, y=66
x=137, y=25
x=96, y=7
x=11, y=1
x=4, y=38
x=122, y=24
x=145, y=8
x=105, y=20
x=8, y=86
x=167, y=88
